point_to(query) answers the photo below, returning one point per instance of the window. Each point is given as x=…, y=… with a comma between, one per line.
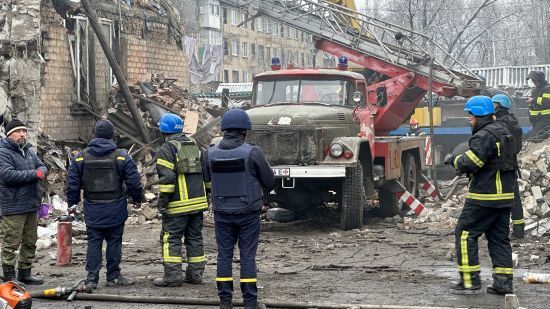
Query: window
x=253, y=24
x=303, y=91
x=234, y=48
x=275, y=52
x=268, y=53
x=260, y=52
x=234, y=18
x=224, y=15
x=290, y=32
x=225, y=76
x=235, y=76
x=267, y=26
x=275, y=29
x=260, y=25
x=297, y=34
x=282, y=31
x=225, y=47
x=245, y=50
x=243, y=18
x=245, y=77
x=214, y=9
x=253, y=50
x=302, y=60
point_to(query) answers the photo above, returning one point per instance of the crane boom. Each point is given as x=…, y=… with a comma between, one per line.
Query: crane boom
x=378, y=45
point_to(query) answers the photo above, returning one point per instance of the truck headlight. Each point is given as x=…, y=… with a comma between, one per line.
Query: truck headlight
x=336, y=150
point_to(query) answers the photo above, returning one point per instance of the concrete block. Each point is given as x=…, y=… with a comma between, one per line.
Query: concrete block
x=542, y=165
x=530, y=205
x=537, y=193
x=544, y=210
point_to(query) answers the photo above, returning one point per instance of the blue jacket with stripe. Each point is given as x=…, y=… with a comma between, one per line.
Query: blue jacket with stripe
x=108, y=213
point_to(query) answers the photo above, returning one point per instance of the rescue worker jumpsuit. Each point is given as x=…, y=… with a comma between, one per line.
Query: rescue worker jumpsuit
x=510, y=122
x=487, y=206
x=539, y=113
x=182, y=200
x=237, y=172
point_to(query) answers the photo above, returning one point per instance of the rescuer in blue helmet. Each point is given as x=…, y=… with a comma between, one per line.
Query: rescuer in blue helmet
x=237, y=171
x=491, y=165
x=502, y=104
x=179, y=166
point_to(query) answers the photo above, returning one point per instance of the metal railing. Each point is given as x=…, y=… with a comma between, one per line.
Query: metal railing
x=509, y=76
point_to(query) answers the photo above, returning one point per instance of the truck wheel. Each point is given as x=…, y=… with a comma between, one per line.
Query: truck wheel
x=410, y=174
x=389, y=204
x=351, y=199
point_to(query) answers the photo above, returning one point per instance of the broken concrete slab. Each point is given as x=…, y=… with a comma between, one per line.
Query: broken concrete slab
x=149, y=213
x=537, y=193
x=149, y=196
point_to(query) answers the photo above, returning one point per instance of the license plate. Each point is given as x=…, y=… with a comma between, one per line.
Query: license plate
x=281, y=171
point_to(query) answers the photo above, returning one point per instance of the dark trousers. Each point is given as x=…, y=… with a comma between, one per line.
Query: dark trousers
x=472, y=223
x=113, y=237
x=19, y=233
x=173, y=229
x=517, y=209
x=540, y=130
x=243, y=229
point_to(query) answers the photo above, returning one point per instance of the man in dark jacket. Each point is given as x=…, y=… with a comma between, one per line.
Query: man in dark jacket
x=182, y=200
x=20, y=196
x=509, y=121
x=539, y=108
x=102, y=170
x=238, y=171
x=490, y=164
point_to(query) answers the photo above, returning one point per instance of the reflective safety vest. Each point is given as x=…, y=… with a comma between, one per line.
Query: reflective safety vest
x=101, y=179
x=234, y=189
x=541, y=106
x=187, y=194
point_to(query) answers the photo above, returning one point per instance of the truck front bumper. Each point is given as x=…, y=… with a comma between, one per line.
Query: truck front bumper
x=310, y=171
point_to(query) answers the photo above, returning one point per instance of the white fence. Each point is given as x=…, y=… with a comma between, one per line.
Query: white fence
x=509, y=76
x=235, y=87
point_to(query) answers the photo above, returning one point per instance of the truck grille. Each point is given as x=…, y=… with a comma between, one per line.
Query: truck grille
x=285, y=145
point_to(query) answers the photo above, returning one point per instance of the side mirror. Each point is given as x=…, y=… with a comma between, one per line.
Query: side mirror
x=358, y=98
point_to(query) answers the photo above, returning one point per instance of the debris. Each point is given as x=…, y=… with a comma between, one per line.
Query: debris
x=149, y=213
x=149, y=196
x=536, y=278
x=280, y=214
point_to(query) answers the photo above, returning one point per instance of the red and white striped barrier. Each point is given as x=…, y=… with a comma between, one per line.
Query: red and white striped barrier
x=411, y=201
x=428, y=187
x=428, y=151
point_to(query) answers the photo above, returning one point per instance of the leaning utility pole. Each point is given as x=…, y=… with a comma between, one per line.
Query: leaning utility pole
x=132, y=106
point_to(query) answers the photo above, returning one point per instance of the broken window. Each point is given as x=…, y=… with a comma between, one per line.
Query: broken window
x=84, y=58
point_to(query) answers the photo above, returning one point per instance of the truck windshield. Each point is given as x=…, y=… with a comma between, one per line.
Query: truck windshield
x=296, y=91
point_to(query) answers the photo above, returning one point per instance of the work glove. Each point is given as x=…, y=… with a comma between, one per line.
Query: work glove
x=449, y=158
x=40, y=175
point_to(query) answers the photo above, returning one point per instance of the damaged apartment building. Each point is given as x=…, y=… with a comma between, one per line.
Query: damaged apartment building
x=54, y=74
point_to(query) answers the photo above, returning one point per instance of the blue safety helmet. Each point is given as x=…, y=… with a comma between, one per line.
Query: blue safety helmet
x=502, y=99
x=170, y=123
x=236, y=119
x=480, y=106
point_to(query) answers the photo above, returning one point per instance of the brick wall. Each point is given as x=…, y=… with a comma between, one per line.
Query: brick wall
x=144, y=58
x=58, y=88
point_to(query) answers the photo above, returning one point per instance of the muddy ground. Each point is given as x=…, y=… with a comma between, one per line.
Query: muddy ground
x=310, y=262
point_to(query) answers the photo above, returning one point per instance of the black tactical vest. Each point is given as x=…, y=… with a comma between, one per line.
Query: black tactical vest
x=101, y=180
x=505, y=159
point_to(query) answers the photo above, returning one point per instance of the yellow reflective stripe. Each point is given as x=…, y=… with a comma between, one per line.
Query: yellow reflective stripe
x=165, y=163
x=190, y=202
x=490, y=196
x=519, y=221
x=167, y=188
x=79, y=159
x=539, y=100
x=545, y=112
x=179, y=210
x=503, y=270
x=196, y=259
x=466, y=276
x=498, y=183
x=472, y=156
x=121, y=158
x=166, y=251
x=249, y=280
x=498, y=148
x=224, y=279
x=469, y=269
x=184, y=195
x=455, y=163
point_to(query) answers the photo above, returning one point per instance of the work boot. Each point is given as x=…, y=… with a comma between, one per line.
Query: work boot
x=257, y=306
x=24, y=276
x=502, y=285
x=161, y=282
x=459, y=287
x=90, y=286
x=226, y=303
x=120, y=281
x=9, y=273
x=192, y=279
x=518, y=231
